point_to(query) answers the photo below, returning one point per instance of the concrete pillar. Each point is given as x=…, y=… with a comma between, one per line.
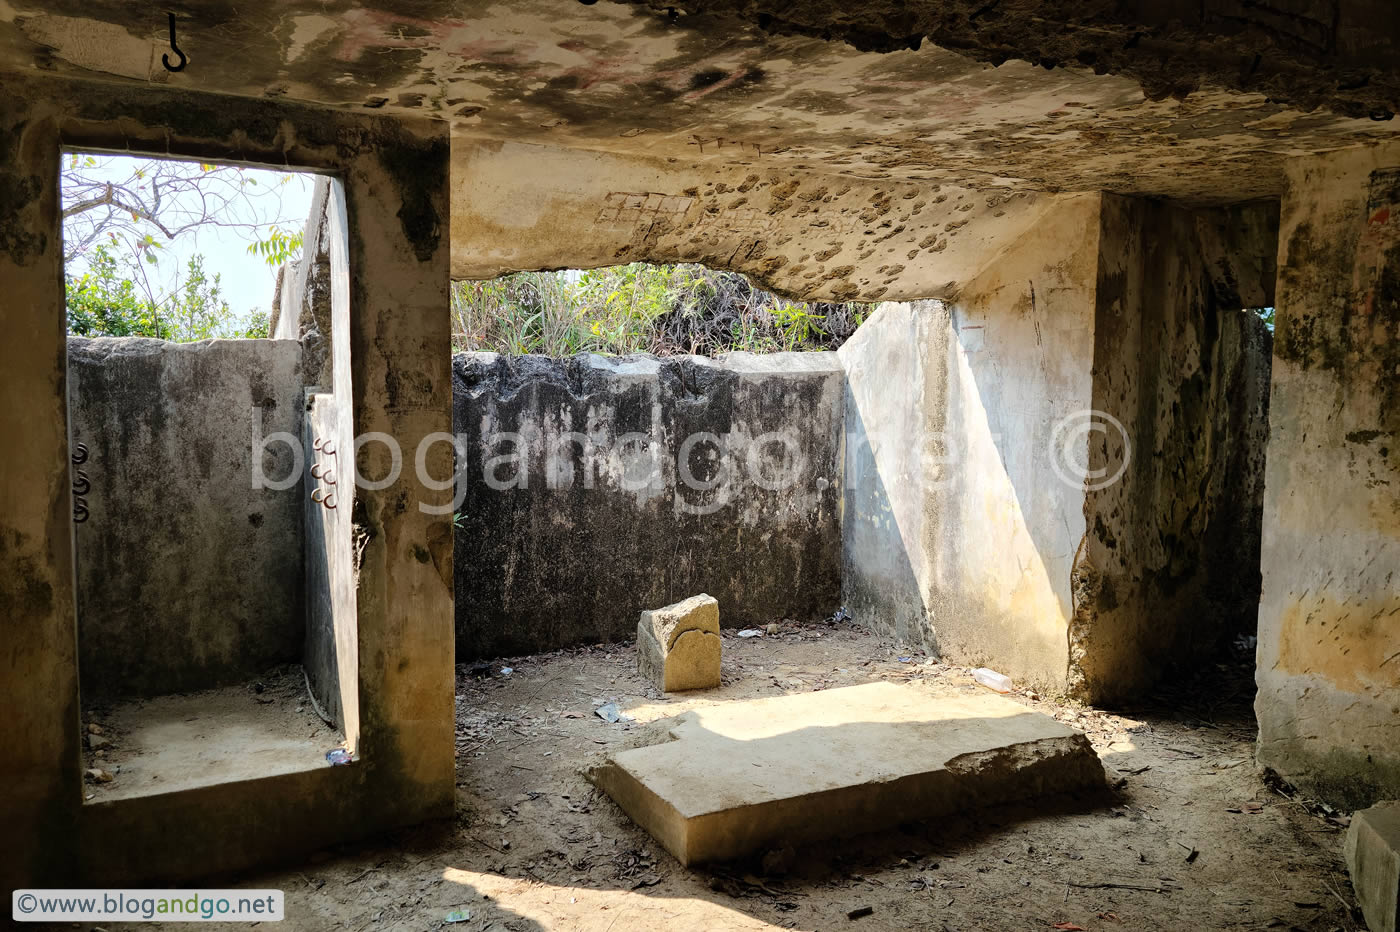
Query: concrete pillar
x=1329, y=617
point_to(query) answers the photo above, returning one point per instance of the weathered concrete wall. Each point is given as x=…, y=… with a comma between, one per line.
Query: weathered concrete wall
x=1329, y=619
x=957, y=532
x=301, y=307
x=579, y=534
x=889, y=362
x=973, y=519
x=1006, y=521
x=1169, y=565
x=188, y=576
x=332, y=658
x=395, y=173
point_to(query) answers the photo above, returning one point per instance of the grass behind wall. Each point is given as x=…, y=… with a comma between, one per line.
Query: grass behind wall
x=665, y=310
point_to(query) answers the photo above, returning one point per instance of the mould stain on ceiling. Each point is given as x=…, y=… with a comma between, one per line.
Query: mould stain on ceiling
x=742, y=87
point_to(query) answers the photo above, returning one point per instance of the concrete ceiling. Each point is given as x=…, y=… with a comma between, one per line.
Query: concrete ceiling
x=754, y=86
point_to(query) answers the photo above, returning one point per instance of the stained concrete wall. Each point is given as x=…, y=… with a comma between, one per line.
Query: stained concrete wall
x=322, y=277
x=301, y=306
x=331, y=654
x=957, y=532
x=971, y=520
x=1169, y=565
x=571, y=541
x=1329, y=619
x=889, y=362
x=188, y=576
x=395, y=173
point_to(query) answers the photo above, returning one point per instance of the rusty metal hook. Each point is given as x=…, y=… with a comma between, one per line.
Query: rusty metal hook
x=165, y=59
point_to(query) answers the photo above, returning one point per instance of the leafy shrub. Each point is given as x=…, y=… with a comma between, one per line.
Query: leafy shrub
x=660, y=309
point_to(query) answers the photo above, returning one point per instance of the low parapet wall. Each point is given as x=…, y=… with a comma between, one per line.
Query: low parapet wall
x=592, y=488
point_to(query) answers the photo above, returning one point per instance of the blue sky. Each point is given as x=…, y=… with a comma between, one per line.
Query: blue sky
x=251, y=199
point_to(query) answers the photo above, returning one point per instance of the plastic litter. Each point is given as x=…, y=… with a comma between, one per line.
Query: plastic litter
x=751, y=633
x=611, y=714
x=991, y=679
x=338, y=757
x=457, y=915
x=507, y=671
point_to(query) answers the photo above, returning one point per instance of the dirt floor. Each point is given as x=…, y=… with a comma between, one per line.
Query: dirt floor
x=1189, y=838
x=261, y=728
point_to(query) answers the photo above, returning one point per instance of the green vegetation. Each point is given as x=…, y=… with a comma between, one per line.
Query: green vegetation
x=121, y=215
x=640, y=308
x=104, y=302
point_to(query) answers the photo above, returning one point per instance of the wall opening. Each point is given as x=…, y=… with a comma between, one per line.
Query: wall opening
x=215, y=610
x=682, y=436
x=663, y=310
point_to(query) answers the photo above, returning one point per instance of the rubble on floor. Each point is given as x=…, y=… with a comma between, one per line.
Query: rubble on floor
x=678, y=647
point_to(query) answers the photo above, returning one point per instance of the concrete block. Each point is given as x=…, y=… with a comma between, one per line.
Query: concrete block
x=741, y=777
x=1373, y=859
x=678, y=646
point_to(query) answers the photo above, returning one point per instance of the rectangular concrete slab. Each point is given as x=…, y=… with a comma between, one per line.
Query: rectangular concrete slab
x=742, y=777
x=1373, y=859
